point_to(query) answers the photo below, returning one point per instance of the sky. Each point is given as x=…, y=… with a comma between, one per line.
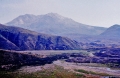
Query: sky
x=103, y=13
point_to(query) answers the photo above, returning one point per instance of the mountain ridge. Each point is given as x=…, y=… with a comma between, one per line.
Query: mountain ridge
x=22, y=39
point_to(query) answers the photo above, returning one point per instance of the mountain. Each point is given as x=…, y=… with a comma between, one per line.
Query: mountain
x=16, y=38
x=55, y=24
x=112, y=32
x=109, y=38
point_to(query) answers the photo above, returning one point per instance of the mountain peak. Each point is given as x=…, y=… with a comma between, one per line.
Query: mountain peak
x=55, y=15
x=112, y=32
x=52, y=14
x=116, y=25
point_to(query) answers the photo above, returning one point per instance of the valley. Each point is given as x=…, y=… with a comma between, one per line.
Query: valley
x=103, y=61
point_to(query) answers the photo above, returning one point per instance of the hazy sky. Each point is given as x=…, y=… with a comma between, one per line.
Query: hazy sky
x=92, y=12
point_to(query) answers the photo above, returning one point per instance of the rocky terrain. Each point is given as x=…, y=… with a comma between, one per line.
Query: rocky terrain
x=15, y=38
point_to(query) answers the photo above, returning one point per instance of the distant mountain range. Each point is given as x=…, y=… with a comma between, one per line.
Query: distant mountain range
x=55, y=24
x=15, y=38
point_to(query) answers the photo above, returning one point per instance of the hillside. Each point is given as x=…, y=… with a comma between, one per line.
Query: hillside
x=112, y=32
x=109, y=38
x=16, y=38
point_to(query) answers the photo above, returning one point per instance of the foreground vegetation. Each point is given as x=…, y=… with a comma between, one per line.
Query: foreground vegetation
x=91, y=72
x=57, y=72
